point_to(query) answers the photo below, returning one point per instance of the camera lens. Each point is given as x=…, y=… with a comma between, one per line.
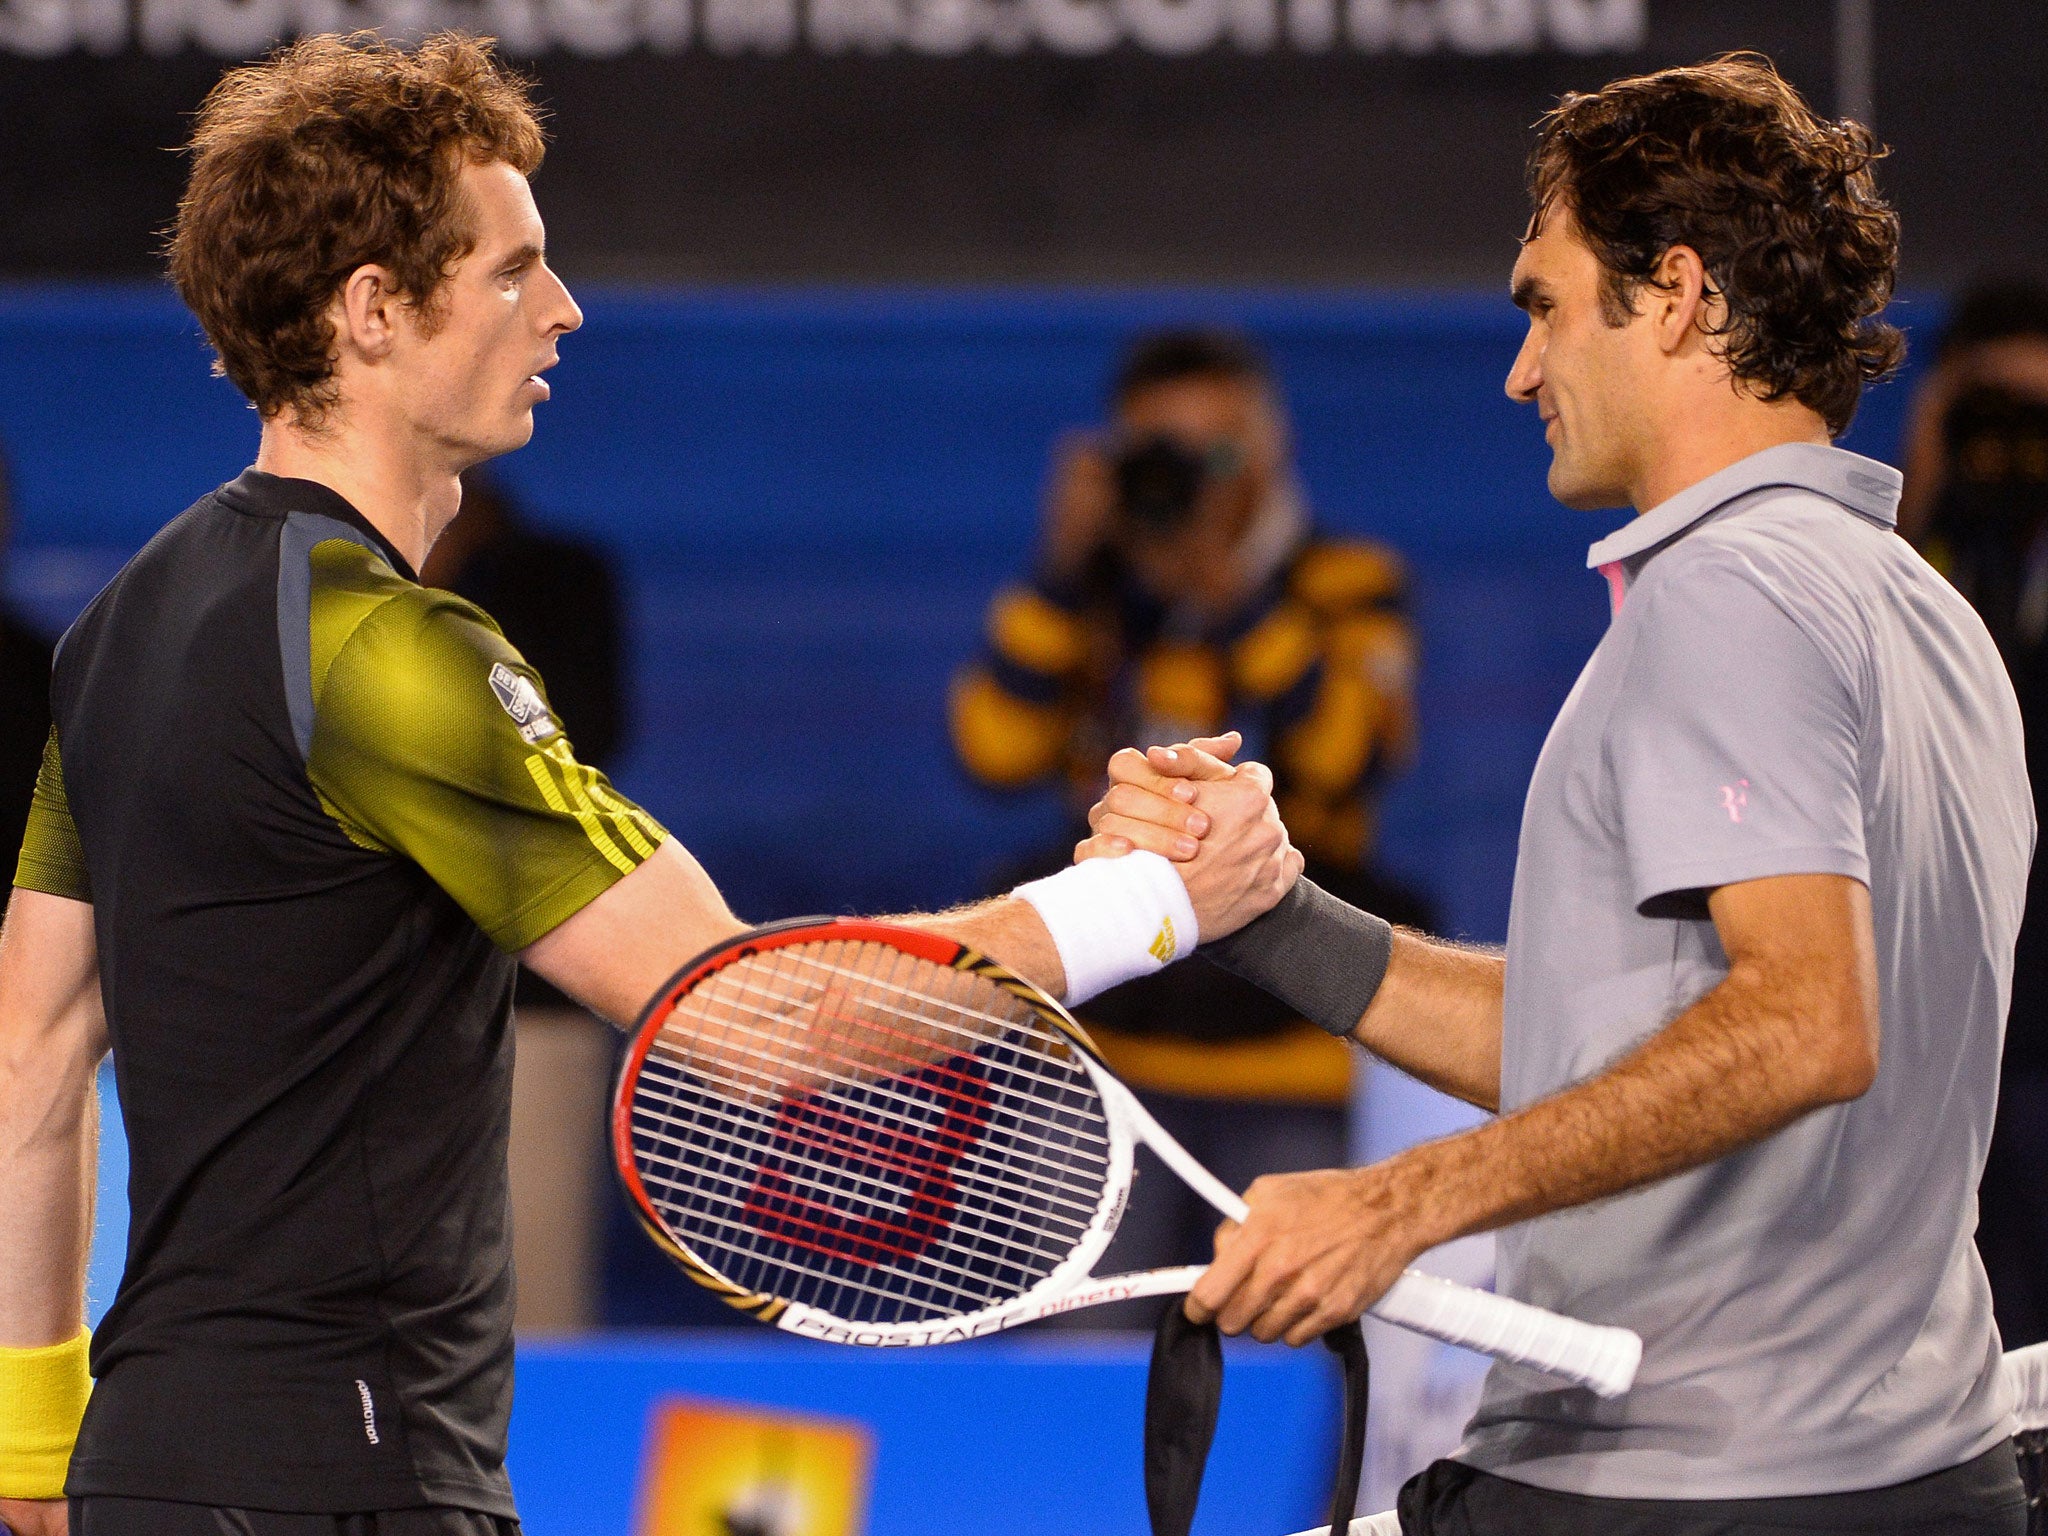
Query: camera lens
x=1158, y=482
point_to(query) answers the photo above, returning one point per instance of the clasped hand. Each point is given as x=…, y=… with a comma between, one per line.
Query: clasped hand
x=1216, y=821
x=1318, y=1248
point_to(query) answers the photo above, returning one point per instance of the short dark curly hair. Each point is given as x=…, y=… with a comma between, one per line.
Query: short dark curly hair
x=332, y=153
x=1779, y=203
x=1190, y=352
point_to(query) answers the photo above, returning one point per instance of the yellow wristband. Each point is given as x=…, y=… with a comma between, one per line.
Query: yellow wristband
x=42, y=1400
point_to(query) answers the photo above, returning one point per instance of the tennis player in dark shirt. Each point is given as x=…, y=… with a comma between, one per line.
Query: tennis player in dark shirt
x=297, y=819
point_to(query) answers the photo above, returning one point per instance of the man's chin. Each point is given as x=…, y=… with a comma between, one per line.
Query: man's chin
x=1583, y=493
x=516, y=434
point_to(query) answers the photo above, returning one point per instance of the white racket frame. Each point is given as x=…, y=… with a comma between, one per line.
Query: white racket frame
x=1590, y=1354
x=1601, y=1358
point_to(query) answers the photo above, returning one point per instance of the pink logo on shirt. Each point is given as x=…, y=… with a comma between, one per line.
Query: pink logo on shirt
x=1733, y=798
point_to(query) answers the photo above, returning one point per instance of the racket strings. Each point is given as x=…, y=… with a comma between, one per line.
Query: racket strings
x=876, y=1185
x=844, y=1137
x=855, y=1128
x=686, y=1182
x=1084, y=1147
x=998, y=1245
x=903, y=996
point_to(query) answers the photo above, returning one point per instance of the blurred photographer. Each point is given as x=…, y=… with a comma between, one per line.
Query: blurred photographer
x=1181, y=590
x=1978, y=468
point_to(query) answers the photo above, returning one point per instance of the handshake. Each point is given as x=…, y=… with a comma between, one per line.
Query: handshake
x=1186, y=848
x=1215, y=821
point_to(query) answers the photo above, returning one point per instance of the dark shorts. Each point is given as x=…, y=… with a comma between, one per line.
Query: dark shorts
x=1979, y=1498
x=100, y=1516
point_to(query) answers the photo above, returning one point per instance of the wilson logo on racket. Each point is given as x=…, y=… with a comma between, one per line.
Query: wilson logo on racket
x=822, y=1146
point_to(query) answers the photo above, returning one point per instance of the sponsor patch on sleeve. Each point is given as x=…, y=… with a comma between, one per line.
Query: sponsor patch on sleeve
x=522, y=701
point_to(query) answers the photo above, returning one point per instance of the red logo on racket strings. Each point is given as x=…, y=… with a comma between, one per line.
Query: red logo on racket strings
x=853, y=1181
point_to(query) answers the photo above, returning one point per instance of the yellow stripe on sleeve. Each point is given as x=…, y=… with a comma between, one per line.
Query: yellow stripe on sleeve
x=621, y=816
x=585, y=816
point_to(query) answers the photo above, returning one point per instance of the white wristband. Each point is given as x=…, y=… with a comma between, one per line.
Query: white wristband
x=1114, y=919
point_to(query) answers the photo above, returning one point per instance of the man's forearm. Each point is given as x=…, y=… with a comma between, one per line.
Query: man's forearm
x=52, y=1037
x=49, y=1158
x=1710, y=1083
x=1437, y=1016
x=1008, y=930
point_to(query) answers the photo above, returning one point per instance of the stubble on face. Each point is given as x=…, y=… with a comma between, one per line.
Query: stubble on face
x=1576, y=368
x=495, y=321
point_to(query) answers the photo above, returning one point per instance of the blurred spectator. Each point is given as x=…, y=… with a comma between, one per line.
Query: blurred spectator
x=1977, y=473
x=1181, y=590
x=557, y=602
x=24, y=704
x=1996, y=337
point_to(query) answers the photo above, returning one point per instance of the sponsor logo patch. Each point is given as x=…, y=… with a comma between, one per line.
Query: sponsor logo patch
x=369, y=1412
x=522, y=701
x=1164, y=943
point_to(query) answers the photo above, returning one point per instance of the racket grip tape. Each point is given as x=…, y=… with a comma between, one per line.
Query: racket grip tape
x=1595, y=1356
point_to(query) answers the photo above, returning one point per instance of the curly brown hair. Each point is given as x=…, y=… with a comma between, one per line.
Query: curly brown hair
x=1780, y=205
x=330, y=154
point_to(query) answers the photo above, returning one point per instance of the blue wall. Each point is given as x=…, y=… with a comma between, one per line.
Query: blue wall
x=1022, y=1437
x=814, y=494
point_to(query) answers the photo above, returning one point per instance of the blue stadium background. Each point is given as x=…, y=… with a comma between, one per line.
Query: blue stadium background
x=811, y=496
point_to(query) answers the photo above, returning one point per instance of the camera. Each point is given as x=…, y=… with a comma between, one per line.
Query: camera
x=1985, y=533
x=1160, y=480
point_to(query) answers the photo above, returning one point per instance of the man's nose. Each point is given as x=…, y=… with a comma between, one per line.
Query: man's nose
x=1526, y=376
x=568, y=315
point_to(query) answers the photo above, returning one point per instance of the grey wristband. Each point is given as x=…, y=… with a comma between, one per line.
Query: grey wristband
x=1322, y=957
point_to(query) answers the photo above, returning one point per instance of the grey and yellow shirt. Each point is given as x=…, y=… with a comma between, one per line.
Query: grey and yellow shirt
x=316, y=808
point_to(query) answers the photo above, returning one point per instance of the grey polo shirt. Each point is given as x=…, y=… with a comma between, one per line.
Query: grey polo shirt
x=1785, y=688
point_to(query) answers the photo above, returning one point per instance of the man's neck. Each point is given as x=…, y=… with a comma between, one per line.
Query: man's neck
x=405, y=499
x=1696, y=450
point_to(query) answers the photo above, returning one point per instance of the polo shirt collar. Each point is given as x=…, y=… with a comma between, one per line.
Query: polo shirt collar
x=1864, y=486
x=277, y=495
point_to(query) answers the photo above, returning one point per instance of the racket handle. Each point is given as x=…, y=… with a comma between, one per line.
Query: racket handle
x=1602, y=1358
x=1595, y=1356
x=1590, y=1354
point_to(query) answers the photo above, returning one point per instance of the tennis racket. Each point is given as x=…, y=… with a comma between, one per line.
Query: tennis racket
x=874, y=1135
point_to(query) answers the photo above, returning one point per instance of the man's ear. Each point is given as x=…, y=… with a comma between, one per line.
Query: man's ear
x=365, y=311
x=1681, y=300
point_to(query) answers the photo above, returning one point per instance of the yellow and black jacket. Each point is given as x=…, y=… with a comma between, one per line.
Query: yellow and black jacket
x=1315, y=669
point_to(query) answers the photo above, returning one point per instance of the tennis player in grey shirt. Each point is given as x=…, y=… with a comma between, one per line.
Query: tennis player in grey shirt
x=1744, y=1041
